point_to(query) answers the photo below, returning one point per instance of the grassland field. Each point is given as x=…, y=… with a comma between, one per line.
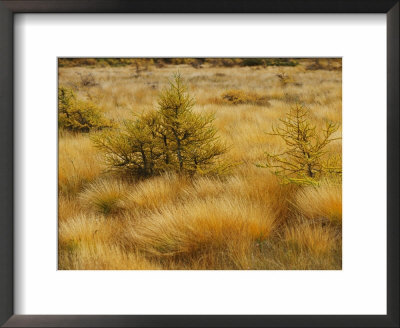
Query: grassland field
x=247, y=219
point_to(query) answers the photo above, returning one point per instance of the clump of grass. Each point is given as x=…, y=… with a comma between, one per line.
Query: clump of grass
x=105, y=196
x=68, y=207
x=90, y=242
x=199, y=228
x=236, y=97
x=155, y=192
x=311, y=237
x=205, y=187
x=300, y=245
x=103, y=256
x=321, y=202
x=78, y=163
x=262, y=187
x=80, y=228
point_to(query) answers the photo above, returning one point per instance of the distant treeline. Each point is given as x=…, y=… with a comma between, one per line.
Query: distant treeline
x=196, y=62
x=144, y=63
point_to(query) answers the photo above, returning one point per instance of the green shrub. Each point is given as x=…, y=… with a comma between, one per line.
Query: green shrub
x=237, y=97
x=87, y=80
x=135, y=149
x=284, y=79
x=280, y=62
x=173, y=138
x=305, y=159
x=75, y=62
x=77, y=115
x=223, y=62
x=252, y=62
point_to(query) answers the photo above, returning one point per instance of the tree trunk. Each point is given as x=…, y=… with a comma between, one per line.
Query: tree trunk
x=309, y=171
x=144, y=158
x=166, y=149
x=178, y=153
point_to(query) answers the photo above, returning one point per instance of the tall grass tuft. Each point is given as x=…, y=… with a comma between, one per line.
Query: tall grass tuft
x=105, y=196
x=323, y=202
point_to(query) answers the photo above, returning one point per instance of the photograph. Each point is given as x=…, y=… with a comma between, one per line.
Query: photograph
x=199, y=163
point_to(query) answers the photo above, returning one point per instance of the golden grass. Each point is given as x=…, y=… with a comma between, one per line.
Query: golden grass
x=237, y=97
x=68, y=207
x=98, y=256
x=245, y=220
x=156, y=192
x=202, y=230
x=323, y=202
x=91, y=243
x=78, y=163
x=308, y=237
x=105, y=196
x=200, y=224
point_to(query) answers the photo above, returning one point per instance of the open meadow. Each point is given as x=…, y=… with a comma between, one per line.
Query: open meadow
x=200, y=165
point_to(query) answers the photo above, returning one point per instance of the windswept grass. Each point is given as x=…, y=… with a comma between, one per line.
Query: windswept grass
x=308, y=237
x=105, y=196
x=201, y=224
x=323, y=202
x=78, y=163
x=92, y=243
x=156, y=192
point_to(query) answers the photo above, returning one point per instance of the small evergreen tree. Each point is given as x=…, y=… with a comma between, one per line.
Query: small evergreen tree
x=305, y=158
x=173, y=138
x=76, y=115
x=190, y=137
x=134, y=149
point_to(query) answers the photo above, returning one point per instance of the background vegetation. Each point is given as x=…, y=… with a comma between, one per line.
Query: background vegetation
x=245, y=207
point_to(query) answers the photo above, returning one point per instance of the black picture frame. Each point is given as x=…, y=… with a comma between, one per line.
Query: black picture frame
x=7, y=10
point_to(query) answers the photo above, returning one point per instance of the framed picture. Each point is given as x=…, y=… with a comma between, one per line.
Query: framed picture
x=217, y=164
